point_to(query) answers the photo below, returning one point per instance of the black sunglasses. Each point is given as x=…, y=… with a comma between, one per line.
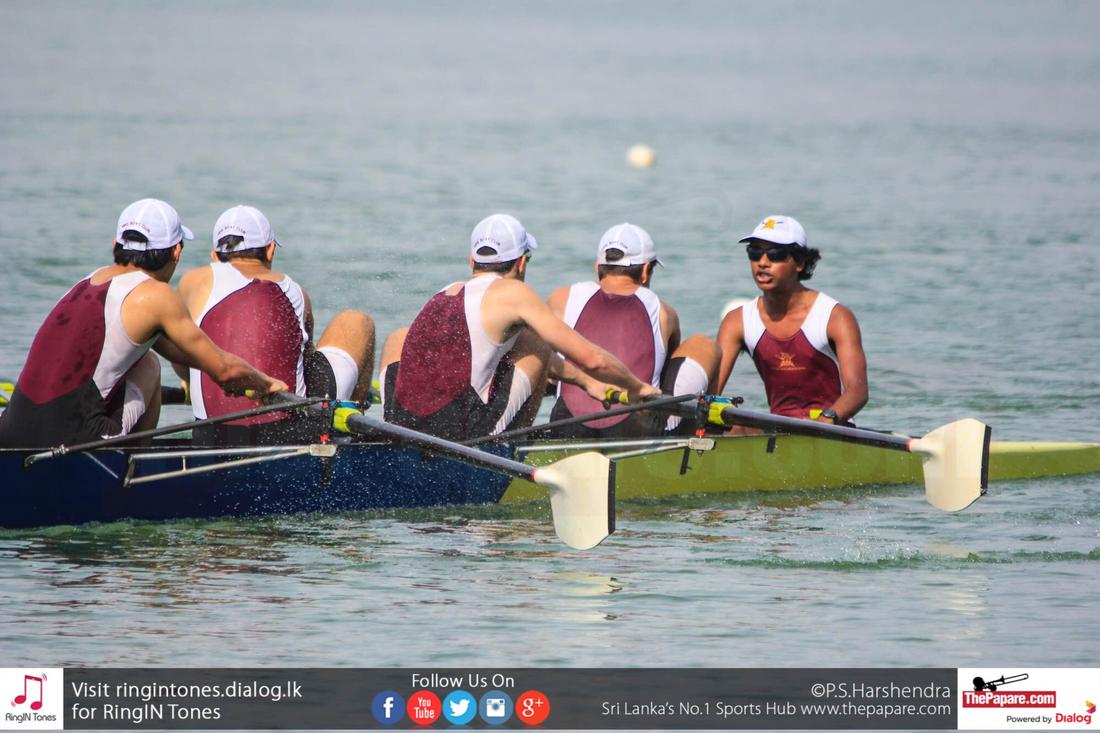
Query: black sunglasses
x=775, y=254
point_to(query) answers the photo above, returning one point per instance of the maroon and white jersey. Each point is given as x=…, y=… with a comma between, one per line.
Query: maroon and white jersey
x=447, y=351
x=629, y=326
x=800, y=373
x=74, y=371
x=263, y=322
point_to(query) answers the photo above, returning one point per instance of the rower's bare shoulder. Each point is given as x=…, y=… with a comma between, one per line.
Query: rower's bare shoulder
x=196, y=278
x=731, y=331
x=153, y=289
x=507, y=289
x=558, y=300
x=842, y=314
x=156, y=297
x=842, y=324
x=733, y=320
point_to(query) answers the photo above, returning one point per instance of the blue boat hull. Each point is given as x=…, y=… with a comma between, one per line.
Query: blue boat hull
x=88, y=487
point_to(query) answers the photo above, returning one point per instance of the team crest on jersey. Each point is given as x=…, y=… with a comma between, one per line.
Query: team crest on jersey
x=786, y=362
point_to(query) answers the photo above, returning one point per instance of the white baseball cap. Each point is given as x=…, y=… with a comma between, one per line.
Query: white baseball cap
x=633, y=241
x=157, y=220
x=505, y=235
x=779, y=229
x=244, y=221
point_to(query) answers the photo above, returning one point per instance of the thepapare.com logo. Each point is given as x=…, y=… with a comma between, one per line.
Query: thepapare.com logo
x=989, y=693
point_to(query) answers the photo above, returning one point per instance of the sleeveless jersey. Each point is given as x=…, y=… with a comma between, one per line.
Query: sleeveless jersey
x=75, y=368
x=261, y=321
x=448, y=352
x=629, y=326
x=800, y=373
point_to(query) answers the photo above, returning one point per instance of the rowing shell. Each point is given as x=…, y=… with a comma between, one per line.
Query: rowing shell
x=787, y=462
x=173, y=481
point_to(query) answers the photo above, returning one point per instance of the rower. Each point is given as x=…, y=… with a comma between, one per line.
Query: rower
x=620, y=313
x=806, y=346
x=475, y=361
x=90, y=373
x=243, y=304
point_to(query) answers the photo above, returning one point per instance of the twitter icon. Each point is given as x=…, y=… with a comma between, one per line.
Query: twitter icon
x=459, y=708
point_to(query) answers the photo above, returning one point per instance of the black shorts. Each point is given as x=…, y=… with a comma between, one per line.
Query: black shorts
x=463, y=418
x=81, y=416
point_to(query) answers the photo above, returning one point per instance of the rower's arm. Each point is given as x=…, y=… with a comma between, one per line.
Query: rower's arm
x=670, y=327
x=566, y=371
x=731, y=339
x=843, y=332
x=308, y=308
x=596, y=361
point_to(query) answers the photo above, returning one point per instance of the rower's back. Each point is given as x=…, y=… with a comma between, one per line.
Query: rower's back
x=244, y=306
x=87, y=376
x=621, y=314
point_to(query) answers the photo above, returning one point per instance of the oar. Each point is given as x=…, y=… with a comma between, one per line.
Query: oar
x=613, y=396
x=582, y=486
x=955, y=457
x=61, y=450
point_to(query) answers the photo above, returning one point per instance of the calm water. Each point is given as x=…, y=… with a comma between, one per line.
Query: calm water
x=943, y=156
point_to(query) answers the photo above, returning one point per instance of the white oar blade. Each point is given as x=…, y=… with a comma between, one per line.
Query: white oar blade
x=956, y=463
x=582, y=498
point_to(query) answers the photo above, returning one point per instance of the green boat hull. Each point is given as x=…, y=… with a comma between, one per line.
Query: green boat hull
x=760, y=463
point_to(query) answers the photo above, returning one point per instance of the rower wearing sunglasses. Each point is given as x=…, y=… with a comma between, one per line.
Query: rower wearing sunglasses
x=806, y=346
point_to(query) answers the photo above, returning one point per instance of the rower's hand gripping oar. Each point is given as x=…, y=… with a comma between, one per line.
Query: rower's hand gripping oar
x=582, y=486
x=954, y=457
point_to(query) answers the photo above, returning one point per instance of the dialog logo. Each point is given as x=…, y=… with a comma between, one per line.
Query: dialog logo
x=459, y=708
x=1090, y=707
x=424, y=707
x=34, y=697
x=532, y=708
x=495, y=707
x=388, y=707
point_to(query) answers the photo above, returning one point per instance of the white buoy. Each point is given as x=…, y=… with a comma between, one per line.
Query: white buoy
x=641, y=156
x=732, y=304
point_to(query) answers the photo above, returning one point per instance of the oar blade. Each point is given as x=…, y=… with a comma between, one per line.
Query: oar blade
x=582, y=498
x=956, y=463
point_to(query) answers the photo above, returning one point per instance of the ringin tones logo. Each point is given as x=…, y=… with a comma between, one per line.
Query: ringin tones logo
x=34, y=696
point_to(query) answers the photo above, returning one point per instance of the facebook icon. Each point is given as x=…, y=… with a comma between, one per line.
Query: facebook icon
x=388, y=707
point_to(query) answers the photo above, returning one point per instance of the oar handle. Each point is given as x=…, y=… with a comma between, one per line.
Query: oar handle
x=615, y=397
